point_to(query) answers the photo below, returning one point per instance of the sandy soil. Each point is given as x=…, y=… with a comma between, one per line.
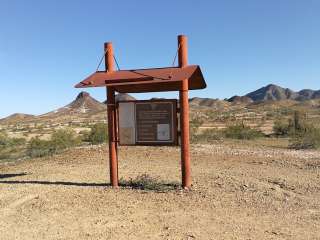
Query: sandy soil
x=238, y=192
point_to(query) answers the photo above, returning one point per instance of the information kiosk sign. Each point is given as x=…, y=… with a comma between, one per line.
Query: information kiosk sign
x=148, y=122
x=152, y=122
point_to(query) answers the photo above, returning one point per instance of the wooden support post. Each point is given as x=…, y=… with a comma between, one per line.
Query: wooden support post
x=112, y=127
x=184, y=115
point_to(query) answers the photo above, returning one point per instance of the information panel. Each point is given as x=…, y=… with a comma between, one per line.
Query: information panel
x=148, y=122
x=127, y=123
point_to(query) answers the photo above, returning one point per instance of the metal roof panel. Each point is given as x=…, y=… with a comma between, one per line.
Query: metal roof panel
x=146, y=80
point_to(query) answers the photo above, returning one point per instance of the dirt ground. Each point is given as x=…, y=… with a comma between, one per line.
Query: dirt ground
x=239, y=192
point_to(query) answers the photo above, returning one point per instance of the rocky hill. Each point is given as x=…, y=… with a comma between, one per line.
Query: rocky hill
x=16, y=117
x=83, y=104
x=277, y=93
x=215, y=104
x=240, y=99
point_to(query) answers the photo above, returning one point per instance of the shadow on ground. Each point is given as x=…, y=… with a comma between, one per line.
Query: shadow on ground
x=79, y=184
x=10, y=175
x=142, y=182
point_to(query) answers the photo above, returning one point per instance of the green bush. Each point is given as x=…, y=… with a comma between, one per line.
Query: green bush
x=60, y=140
x=240, y=131
x=17, y=141
x=39, y=148
x=6, y=141
x=84, y=135
x=308, y=138
x=303, y=135
x=64, y=138
x=281, y=128
x=98, y=134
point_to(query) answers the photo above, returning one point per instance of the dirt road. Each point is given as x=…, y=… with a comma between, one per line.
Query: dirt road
x=238, y=193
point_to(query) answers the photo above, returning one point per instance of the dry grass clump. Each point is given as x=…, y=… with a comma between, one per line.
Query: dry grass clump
x=147, y=182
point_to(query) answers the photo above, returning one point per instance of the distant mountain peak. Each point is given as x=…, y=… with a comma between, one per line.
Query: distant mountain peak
x=271, y=85
x=83, y=104
x=274, y=92
x=83, y=94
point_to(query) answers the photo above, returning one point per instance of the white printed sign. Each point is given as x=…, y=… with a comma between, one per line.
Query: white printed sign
x=163, y=132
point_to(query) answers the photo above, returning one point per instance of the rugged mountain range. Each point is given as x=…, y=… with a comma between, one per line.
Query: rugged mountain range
x=275, y=93
x=85, y=106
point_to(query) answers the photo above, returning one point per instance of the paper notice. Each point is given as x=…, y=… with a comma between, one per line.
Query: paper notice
x=163, y=132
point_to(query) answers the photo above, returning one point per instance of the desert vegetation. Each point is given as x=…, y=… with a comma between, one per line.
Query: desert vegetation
x=98, y=133
x=59, y=140
x=211, y=120
x=302, y=134
x=232, y=131
x=10, y=146
x=147, y=182
x=66, y=138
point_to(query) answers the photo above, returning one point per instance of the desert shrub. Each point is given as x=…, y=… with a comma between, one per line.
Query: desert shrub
x=84, y=135
x=98, y=134
x=64, y=138
x=60, y=140
x=295, y=125
x=10, y=147
x=240, y=131
x=17, y=141
x=307, y=138
x=147, y=182
x=6, y=141
x=281, y=128
x=39, y=148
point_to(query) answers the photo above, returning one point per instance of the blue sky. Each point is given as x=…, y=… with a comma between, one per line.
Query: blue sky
x=48, y=46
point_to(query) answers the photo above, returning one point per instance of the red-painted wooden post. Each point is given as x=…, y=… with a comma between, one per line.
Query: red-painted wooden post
x=112, y=132
x=184, y=115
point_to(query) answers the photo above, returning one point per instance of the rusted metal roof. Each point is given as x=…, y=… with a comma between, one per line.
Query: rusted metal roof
x=146, y=80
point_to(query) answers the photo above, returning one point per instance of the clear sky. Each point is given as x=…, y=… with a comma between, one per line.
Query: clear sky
x=48, y=46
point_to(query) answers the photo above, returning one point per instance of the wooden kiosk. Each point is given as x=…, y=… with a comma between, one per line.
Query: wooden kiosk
x=182, y=78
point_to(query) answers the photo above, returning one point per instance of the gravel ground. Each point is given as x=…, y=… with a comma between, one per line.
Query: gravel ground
x=238, y=192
